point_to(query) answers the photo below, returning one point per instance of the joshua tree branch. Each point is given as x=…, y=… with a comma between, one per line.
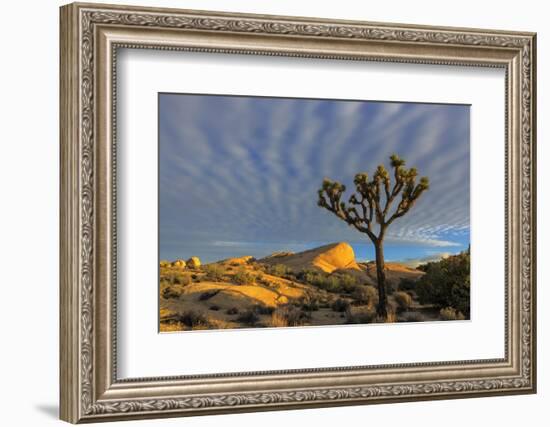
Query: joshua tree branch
x=329, y=198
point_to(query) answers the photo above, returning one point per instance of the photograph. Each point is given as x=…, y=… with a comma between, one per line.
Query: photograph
x=283, y=212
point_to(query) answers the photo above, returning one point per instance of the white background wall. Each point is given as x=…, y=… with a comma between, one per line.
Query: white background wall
x=29, y=171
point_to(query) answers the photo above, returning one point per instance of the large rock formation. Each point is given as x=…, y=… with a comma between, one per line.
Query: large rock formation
x=193, y=262
x=336, y=256
x=179, y=263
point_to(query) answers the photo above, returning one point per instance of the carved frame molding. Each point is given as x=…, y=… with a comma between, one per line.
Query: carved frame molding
x=90, y=37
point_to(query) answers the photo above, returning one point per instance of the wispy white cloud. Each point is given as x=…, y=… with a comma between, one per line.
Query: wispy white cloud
x=415, y=262
x=424, y=242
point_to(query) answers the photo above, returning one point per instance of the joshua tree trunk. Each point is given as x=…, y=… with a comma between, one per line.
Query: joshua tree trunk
x=381, y=309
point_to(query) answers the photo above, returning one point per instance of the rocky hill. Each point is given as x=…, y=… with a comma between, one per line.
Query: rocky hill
x=321, y=286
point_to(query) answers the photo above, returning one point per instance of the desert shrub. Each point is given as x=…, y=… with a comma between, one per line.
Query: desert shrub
x=364, y=315
x=347, y=282
x=167, y=278
x=307, y=276
x=337, y=283
x=262, y=280
x=280, y=270
x=248, y=317
x=447, y=283
x=263, y=309
x=403, y=300
x=171, y=292
x=367, y=295
x=193, y=319
x=243, y=277
x=391, y=287
x=412, y=316
x=407, y=285
x=340, y=305
x=312, y=277
x=264, y=268
x=391, y=318
x=232, y=310
x=323, y=281
x=214, y=272
x=164, y=263
x=330, y=283
x=214, y=307
x=208, y=294
x=309, y=303
x=449, y=313
x=424, y=267
x=176, y=279
x=289, y=315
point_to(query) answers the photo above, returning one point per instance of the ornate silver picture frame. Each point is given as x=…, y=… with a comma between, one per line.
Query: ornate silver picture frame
x=91, y=36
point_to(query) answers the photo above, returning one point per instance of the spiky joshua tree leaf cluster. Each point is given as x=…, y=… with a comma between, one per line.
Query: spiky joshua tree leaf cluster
x=371, y=204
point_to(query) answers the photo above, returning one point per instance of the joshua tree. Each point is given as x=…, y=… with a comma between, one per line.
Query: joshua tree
x=371, y=205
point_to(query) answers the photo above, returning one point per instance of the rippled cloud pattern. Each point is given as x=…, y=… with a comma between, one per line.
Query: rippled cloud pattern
x=239, y=175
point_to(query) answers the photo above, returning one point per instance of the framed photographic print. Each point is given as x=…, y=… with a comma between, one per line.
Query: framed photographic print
x=265, y=212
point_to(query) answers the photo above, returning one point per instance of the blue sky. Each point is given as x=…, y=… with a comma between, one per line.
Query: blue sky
x=239, y=175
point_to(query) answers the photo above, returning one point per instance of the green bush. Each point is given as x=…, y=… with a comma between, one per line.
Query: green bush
x=347, y=282
x=243, y=277
x=338, y=283
x=447, y=283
